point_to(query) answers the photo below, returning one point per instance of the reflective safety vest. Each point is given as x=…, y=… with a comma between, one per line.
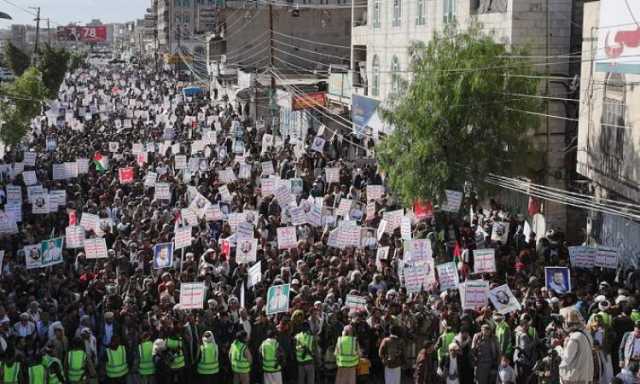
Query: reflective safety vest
x=445, y=340
x=635, y=315
x=49, y=362
x=117, y=362
x=269, y=353
x=37, y=374
x=347, y=358
x=304, y=347
x=503, y=334
x=176, y=345
x=10, y=373
x=239, y=362
x=76, y=361
x=208, y=364
x=145, y=354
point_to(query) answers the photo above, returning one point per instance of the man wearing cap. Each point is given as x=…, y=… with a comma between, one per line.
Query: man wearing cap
x=347, y=354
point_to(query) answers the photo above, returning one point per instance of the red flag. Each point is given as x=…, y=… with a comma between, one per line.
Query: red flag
x=423, y=209
x=534, y=206
x=457, y=251
x=73, y=217
x=225, y=246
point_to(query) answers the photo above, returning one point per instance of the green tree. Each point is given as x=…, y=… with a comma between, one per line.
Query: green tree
x=76, y=60
x=16, y=60
x=457, y=121
x=20, y=101
x=53, y=63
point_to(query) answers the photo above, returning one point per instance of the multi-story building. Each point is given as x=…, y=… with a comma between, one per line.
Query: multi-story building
x=253, y=41
x=609, y=126
x=384, y=31
x=179, y=22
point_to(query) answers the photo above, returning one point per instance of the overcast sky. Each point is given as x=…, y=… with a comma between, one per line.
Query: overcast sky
x=65, y=11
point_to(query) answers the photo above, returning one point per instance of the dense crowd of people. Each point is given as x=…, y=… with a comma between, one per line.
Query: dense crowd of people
x=119, y=318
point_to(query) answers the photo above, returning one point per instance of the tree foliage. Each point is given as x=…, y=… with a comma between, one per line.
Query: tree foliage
x=16, y=60
x=22, y=100
x=76, y=60
x=456, y=122
x=53, y=63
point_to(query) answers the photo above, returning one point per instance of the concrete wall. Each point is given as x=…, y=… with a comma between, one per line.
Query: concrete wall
x=614, y=175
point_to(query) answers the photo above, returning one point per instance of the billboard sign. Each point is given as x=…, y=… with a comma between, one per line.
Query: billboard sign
x=89, y=34
x=308, y=100
x=618, y=37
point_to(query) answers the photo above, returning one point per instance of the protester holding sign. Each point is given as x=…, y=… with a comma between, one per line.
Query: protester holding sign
x=204, y=232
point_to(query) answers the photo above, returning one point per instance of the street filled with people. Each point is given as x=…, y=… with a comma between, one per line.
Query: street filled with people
x=149, y=236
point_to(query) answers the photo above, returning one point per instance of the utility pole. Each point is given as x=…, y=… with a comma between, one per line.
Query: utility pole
x=37, y=19
x=273, y=79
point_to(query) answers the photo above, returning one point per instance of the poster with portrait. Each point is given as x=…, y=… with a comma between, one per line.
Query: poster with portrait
x=40, y=203
x=32, y=256
x=318, y=144
x=163, y=255
x=278, y=299
x=503, y=300
x=557, y=279
x=51, y=251
x=246, y=251
x=500, y=232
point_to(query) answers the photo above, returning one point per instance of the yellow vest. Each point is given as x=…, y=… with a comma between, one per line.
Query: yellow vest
x=117, y=362
x=347, y=356
x=239, y=362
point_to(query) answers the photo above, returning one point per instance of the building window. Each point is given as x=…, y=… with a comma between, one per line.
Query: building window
x=420, y=19
x=375, y=76
x=612, y=123
x=449, y=11
x=376, y=13
x=397, y=12
x=395, y=75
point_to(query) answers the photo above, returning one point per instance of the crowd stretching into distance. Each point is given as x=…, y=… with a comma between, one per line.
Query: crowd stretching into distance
x=149, y=237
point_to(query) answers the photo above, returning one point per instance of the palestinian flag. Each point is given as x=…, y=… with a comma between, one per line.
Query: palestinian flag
x=101, y=162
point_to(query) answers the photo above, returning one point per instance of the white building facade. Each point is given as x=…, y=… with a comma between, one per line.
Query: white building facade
x=384, y=30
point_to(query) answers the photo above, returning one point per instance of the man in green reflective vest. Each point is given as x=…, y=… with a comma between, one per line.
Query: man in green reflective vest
x=271, y=355
x=305, y=355
x=55, y=374
x=146, y=367
x=503, y=334
x=347, y=357
x=175, y=345
x=240, y=358
x=78, y=367
x=37, y=372
x=208, y=362
x=116, y=365
x=445, y=339
x=10, y=369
